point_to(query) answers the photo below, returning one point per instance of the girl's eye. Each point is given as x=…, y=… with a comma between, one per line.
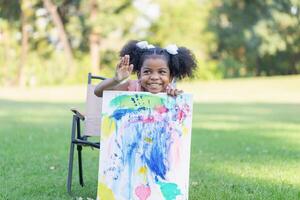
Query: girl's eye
x=163, y=72
x=146, y=72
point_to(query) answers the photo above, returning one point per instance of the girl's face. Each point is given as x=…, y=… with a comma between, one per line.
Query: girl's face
x=154, y=75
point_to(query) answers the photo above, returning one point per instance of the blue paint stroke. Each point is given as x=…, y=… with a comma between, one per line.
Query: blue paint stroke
x=119, y=113
x=156, y=157
x=131, y=143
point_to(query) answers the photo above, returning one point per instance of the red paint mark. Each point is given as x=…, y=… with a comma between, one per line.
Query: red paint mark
x=149, y=119
x=161, y=109
x=180, y=115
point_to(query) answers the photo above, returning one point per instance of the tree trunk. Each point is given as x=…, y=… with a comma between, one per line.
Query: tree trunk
x=52, y=9
x=294, y=61
x=257, y=71
x=94, y=38
x=95, y=52
x=21, y=79
x=4, y=40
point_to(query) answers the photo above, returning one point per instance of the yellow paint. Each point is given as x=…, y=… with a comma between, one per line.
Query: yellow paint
x=143, y=170
x=104, y=192
x=185, y=130
x=108, y=127
x=149, y=140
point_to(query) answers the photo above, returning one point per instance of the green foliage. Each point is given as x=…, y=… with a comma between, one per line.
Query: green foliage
x=10, y=10
x=183, y=23
x=262, y=37
x=46, y=63
x=231, y=67
x=109, y=62
x=207, y=70
x=230, y=38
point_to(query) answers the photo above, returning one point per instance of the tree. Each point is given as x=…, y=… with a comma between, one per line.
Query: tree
x=102, y=19
x=26, y=12
x=52, y=9
x=14, y=12
x=256, y=37
x=94, y=38
x=184, y=23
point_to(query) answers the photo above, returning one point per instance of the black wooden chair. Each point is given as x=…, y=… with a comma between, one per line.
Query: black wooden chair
x=91, y=122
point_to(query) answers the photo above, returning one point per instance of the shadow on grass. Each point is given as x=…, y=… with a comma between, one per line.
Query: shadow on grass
x=237, y=149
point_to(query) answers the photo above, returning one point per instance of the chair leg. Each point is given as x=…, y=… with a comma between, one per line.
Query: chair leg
x=79, y=149
x=71, y=157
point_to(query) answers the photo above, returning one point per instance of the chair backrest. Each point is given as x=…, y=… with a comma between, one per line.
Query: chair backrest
x=93, y=109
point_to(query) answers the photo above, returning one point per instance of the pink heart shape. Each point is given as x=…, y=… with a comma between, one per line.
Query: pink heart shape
x=142, y=192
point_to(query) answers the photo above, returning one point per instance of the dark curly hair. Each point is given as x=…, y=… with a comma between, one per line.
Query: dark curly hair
x=181, y=65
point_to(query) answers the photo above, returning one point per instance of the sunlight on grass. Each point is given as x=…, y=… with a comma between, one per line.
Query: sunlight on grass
x=227, y=125
x=274, y=172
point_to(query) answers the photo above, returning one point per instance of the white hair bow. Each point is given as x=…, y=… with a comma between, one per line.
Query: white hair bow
x=144, y=45
x=172, y=49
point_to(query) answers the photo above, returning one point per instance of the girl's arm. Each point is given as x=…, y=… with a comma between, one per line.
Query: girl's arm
x=109, y=84
x=123, y=71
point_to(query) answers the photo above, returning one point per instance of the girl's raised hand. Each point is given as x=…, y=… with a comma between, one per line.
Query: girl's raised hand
x=124, y=69
x=172, y=91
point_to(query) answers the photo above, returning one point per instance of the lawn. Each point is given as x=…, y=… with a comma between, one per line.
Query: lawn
x=241, y=149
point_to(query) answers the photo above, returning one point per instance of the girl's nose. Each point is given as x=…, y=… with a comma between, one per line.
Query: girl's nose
x=154, y=76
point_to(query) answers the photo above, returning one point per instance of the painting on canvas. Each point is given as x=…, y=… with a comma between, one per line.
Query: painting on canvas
x=145, y=146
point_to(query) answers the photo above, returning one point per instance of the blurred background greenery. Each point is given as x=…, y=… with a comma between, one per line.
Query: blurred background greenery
x=51, y=42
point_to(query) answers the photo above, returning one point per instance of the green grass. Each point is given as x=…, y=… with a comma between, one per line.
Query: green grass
x=245, y=151
x=239, y=151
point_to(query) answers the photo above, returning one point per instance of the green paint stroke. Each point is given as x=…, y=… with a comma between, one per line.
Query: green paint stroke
x=137, y=100
x=169, y=190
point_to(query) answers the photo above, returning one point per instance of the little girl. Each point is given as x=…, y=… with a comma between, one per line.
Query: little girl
x=156, y=69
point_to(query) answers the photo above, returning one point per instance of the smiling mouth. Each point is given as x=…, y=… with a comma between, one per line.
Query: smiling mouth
x=154, y=84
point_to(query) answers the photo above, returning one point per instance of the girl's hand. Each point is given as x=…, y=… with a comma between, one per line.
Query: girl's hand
x=123, y=69
x=173, y=91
